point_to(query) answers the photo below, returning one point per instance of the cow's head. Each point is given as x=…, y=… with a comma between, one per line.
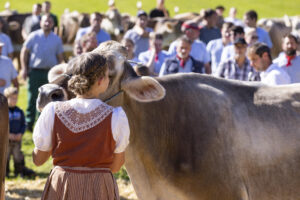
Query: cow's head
x=123, y=81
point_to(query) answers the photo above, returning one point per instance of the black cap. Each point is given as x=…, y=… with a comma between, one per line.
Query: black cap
x=141, y=13
x=240, y=41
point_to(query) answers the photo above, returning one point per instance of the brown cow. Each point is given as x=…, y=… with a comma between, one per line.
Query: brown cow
x=198, y=137
x=3, y=141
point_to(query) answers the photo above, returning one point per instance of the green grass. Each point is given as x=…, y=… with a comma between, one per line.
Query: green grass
x=266, y=8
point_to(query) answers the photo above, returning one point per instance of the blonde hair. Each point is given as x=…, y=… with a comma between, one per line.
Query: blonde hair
x=10, y=91
x=86, y=69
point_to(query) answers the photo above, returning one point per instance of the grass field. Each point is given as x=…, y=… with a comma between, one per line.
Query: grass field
x=265, y=8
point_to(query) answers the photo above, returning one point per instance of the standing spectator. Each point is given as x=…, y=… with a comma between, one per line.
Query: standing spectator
x=215, y=47
x=88, y=42
x=32, y=22
x=155, y=56
x=46, y=9
x=198, y=49
x=85, y=152
x=16, y=131
x=182, y=62
x=160, y=10
x=8, y=73
x=95, y=21
x=139, y=34
x=41, y=51
x=129, y=45
x=270, y=73
x=232, y=18
x=210, y=31
x=251, y=36
x=7, y=48
x=238, y=67
x=250, y=19
x=220, y=10
x=236, y=32
x=289, y=60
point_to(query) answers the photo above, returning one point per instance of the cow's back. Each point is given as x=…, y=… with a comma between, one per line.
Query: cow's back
x=216, y=139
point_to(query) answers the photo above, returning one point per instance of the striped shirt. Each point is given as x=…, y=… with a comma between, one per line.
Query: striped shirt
x=230, y=70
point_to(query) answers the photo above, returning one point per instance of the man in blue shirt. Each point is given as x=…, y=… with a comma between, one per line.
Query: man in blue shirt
x=139, y=34
x=41, y=51
x=250, y=19
x=155, y=56
x=95, y=21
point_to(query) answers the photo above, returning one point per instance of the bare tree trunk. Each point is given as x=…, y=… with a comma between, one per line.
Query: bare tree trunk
x=3, y=142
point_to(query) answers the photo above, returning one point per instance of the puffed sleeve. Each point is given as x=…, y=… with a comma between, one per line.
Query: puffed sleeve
x=42, y=133
x=120, y=129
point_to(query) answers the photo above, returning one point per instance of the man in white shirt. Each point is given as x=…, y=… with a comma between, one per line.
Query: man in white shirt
x=288, y=59
x=7, y=49
x=270, y=74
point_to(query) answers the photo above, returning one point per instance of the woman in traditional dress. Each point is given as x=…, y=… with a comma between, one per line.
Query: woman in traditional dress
x=85, y=137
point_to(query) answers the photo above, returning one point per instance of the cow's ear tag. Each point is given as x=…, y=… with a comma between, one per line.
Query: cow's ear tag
x=144, y=89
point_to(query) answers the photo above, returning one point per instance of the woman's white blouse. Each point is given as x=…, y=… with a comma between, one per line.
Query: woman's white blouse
x=42, y=134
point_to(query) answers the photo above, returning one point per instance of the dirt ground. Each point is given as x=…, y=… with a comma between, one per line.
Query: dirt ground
x=32, y=189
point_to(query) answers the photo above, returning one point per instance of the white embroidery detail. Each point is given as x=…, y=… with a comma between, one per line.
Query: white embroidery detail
x=78, y=122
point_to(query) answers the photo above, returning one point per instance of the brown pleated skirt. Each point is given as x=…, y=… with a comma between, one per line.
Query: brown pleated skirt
x=80, y=184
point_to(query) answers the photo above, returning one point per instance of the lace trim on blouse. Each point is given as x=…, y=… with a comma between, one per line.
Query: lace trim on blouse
x=79, y=122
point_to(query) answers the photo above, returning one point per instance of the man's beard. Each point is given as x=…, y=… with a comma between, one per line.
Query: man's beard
x=290, y=52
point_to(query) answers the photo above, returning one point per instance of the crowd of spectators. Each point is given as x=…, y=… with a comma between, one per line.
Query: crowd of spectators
x=225, y=47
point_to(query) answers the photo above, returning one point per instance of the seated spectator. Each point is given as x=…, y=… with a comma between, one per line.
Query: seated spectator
x=215, y=47
x=95, y=21
x=251, y=36
x=220, y=10
x=129, y=45
x=250, y=19
x=7, y=48
x=155, y=56
x=232, y=18
x=289, y=60
x=32, y=22
x=88, y=42
x=16, y=131
x=198, y=51
x=210, y=31
x=182, y=62
x=139, y=34
x=8, y=73
x=270, y=73
x=160, y=10
x=236, y=32
x=46, y=10
x=237, y=67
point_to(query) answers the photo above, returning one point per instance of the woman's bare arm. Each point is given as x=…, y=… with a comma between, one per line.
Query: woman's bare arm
x=40, y=157
x=119, y=159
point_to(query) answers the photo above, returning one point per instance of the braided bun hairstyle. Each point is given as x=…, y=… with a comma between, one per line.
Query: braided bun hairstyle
x=86, y=69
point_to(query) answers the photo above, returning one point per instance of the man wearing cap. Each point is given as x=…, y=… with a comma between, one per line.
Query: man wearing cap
x=198, y=49
x=182, y=62
x=288, y=59
x=155, y=56
x=95, y=21
x=7, y=49
x=237, y=67
x=215, y=47
x=139, y=34
x=270, y=73
x=8, y=73
x=40, y=52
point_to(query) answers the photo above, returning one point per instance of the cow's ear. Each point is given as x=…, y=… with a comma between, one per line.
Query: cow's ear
x=144, y=89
